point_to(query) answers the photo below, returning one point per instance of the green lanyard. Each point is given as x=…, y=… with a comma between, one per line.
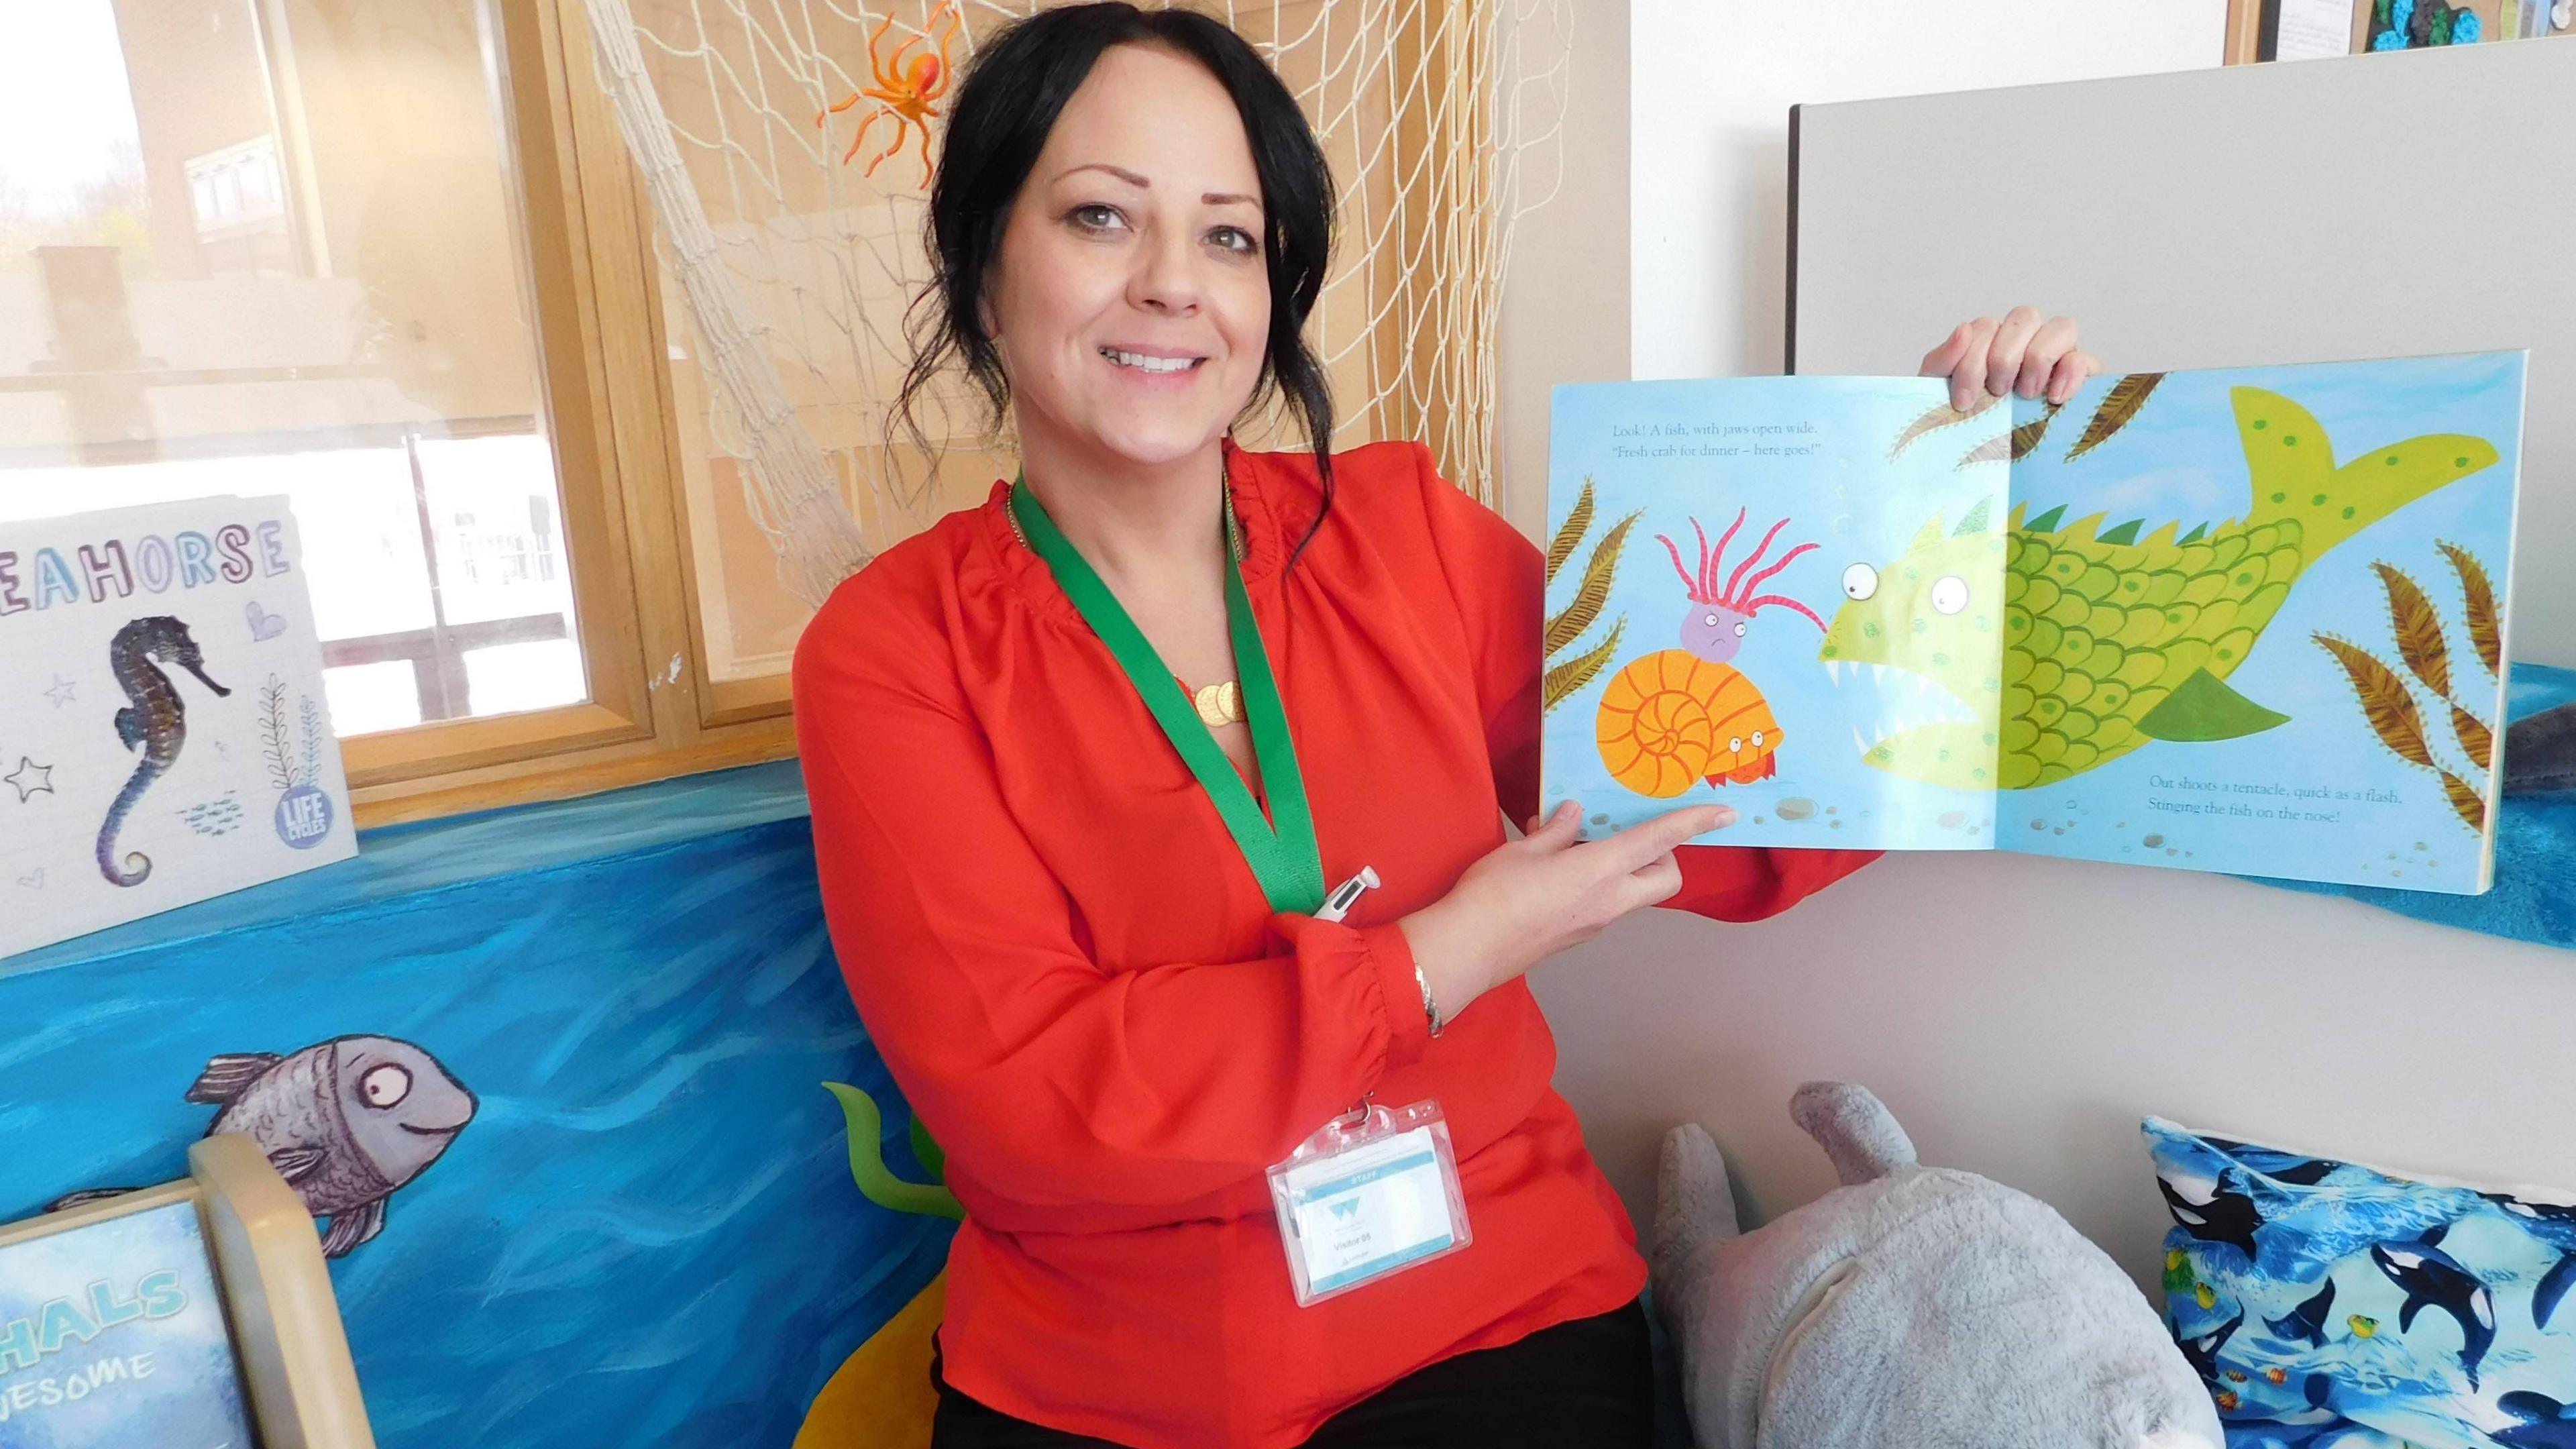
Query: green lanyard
x=1284, y=858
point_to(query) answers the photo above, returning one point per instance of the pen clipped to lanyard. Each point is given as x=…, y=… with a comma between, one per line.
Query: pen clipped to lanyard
x=1338, y=904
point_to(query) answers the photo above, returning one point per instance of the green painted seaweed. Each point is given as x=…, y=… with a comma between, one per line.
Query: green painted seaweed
x=877, y=1181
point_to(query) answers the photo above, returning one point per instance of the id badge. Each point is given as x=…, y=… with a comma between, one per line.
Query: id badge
x=1375, y=1192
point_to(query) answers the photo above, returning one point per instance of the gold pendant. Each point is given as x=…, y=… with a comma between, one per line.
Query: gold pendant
x=1219, y=704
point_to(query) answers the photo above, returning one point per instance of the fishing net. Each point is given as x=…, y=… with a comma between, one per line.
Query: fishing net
x=786, y=150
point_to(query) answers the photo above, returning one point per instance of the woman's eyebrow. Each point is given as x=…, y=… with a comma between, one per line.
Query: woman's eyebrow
x=1121, y=172
x=1211, y=198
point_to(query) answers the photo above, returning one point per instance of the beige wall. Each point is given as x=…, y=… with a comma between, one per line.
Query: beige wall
x=1565, y=297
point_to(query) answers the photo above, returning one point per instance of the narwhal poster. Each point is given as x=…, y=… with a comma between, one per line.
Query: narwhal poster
x=2246, y=620
x=163, y=731
x=113, y=1335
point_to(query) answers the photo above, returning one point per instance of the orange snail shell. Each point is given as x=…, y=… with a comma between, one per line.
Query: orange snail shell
x=1672, y=719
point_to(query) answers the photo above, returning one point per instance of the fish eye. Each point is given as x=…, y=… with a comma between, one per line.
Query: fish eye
x=1860, y=581
x=1739, y=629
x=385, y=1086
x=1950, y=594
x=1710, y=621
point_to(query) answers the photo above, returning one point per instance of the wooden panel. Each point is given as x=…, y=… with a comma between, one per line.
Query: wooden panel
x=560, y=778
x=2244, y=31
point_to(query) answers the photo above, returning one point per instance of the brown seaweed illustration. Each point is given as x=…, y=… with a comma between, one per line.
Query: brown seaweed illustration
x=1934, y=419
x=2117, y=409
x=2389, y=703
x=1568, y=624
x=2119, y=405
x=2016, y=445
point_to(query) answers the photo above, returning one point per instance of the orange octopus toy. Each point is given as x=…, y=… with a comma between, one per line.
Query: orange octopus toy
x=906, y=92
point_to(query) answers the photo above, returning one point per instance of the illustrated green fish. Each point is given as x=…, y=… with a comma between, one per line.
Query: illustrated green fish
x=2109, y=641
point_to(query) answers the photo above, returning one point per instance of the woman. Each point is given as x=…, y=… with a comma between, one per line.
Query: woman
x=1117, y=1006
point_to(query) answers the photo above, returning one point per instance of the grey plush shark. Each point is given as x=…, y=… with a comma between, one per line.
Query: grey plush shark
x=2540, y=752
x=1913, y=1306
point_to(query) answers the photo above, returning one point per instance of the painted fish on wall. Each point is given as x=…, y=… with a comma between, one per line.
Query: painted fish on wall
x=348, y=1123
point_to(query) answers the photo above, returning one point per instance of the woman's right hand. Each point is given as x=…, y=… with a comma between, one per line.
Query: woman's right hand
x=1531, y=898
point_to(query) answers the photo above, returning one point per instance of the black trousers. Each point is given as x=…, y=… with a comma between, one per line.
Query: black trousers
x=1589, y=1383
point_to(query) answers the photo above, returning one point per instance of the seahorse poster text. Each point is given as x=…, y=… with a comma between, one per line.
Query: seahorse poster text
x=157, y=562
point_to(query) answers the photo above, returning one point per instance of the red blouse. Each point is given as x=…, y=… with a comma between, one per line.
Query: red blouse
x=1078, y=985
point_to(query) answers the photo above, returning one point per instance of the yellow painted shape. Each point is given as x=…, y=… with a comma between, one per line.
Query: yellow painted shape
x=880, y=1397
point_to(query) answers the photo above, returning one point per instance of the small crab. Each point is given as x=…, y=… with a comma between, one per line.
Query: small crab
x=907, y=92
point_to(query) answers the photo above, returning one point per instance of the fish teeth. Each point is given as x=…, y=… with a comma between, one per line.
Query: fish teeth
x=1859, y=743
x=1878, y=675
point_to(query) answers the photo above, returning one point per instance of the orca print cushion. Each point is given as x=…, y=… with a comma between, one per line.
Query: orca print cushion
x=2331, y=1304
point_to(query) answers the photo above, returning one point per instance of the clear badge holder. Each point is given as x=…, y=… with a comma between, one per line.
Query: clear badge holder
x=1373, y=1193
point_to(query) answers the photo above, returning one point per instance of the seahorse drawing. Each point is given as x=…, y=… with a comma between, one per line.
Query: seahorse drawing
x=155, y=723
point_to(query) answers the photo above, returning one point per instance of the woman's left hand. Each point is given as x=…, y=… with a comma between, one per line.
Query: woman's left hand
x=2026, y=353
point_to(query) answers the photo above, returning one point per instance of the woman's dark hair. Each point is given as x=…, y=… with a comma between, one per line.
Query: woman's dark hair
x=1008, y=101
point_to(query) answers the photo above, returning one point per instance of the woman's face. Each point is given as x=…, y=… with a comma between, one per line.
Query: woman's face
x=1130, y=302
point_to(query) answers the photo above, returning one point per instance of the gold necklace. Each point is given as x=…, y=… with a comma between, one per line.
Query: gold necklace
x=1218, y=704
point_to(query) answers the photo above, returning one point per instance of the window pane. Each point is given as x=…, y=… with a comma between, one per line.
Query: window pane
x=271, y=246
x=366, y=698
x=506, y=677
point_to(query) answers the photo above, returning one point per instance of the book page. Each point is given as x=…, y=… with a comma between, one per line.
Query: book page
x=1763, y=592
x=2254, y=620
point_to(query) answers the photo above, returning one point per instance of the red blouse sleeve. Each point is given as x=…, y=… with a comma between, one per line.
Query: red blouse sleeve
x=1052, y=1080
x=1498, y=578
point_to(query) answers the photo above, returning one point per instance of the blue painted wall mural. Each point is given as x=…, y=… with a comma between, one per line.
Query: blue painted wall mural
x=550, y=1078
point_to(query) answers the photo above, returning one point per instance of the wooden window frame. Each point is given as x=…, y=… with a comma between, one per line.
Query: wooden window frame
x=596, y=291
x=587, y=248
x=2244, y=31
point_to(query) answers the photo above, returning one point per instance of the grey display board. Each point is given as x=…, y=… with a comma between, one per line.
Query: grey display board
x=2369, y=206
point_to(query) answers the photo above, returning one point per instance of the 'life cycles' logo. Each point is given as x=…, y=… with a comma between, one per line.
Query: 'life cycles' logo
x=293, y=749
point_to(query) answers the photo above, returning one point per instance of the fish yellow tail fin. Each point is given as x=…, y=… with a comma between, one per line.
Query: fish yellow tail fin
x=2292, y=464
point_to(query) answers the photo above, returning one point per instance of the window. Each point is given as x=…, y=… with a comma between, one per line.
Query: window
x=392, y=259
x=385, y=259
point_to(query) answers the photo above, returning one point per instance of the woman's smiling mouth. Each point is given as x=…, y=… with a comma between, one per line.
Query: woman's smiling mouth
x=1151, y=363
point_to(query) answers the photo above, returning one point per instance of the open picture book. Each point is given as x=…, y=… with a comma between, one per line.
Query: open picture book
x=2247, y=620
